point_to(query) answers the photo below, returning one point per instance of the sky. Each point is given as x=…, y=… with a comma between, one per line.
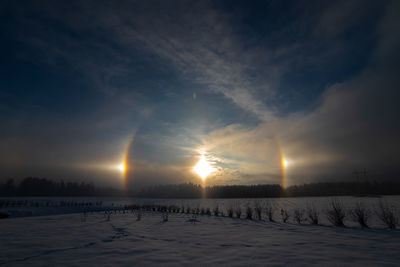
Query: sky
x=282, y=92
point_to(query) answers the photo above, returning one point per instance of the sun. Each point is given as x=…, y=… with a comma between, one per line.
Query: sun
x=203, y=168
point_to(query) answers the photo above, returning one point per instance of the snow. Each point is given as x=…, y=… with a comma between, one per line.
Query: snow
x=76, y=240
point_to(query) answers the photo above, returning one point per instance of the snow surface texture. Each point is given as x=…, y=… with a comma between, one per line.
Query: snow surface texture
x=77, y=240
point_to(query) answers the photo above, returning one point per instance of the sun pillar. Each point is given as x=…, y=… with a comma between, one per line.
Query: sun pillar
x=283, y=170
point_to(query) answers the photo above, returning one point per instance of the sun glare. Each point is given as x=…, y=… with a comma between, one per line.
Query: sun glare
x=203, y=167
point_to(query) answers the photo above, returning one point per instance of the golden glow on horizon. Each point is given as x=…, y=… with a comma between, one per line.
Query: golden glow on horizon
x=203, y=168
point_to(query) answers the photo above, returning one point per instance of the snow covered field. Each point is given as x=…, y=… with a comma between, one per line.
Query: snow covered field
x=74, y=240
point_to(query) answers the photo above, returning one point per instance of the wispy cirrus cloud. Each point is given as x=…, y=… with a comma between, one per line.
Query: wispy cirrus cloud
x=354, y=127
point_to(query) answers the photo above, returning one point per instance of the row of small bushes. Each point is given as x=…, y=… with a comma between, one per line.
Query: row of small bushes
x=336, y=213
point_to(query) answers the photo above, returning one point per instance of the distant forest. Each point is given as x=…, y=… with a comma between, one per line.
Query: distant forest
x=32, y=186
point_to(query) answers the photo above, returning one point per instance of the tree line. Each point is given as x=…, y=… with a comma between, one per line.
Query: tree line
x=32, y=186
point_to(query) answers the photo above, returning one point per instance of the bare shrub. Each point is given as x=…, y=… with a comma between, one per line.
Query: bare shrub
x=230, y=211
x=197, y=211
x=188, y=210
x=165, y=217
x=387, y=214
x=298, y=215
x=361, y=215
x=238, y=210
x=336, y=213
x=107, y=216
x=249, y=213
x=285, y=215
x=216, y=210
x=208, y=211
x=258, y=210
x=202, y=211
x=313, y=215
x=270, y=211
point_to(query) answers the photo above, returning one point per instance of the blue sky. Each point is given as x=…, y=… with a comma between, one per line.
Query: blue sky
x=243, y=83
